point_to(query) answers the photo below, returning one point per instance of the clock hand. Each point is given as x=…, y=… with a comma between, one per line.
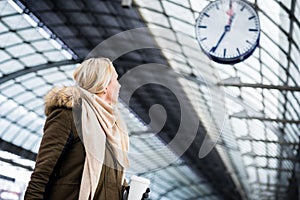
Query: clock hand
x=226, y=29
x=231, y=14
x=230, y=21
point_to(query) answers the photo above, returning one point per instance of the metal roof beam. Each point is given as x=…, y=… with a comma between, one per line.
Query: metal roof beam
x=7, y=178
x=7, y=146
x=276, y=185
x=265, y=119
x=10, y=161
x=263, y=86
x=180, y=186
x=269, y=157
x=270, y=168
x=162, y=168
x=28, y=70
x=203, y=196
x=251, y=139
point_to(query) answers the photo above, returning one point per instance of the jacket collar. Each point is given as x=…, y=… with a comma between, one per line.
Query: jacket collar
x=59, y=97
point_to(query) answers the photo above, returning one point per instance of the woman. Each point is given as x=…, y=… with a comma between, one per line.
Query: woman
x=83, y=152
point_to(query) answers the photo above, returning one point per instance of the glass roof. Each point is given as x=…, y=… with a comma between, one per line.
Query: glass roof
x=260, y=126
x=260, y=134
x=175, y=181
x=29, y=46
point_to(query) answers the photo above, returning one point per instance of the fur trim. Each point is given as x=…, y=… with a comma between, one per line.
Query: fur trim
x=59, y=97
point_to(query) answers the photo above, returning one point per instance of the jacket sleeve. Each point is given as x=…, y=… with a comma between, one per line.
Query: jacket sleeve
x=56, y=132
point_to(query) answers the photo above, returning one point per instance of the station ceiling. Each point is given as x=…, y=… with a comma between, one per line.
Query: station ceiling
x=248, y=111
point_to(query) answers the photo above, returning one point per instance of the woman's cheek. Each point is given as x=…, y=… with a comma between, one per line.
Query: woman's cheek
x=116, y=93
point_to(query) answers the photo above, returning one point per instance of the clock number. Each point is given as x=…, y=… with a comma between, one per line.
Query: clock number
x=224, y=53
x=202, y=26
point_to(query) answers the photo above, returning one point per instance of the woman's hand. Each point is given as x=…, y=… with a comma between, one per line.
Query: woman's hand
x=146, y=194
x=126, y=190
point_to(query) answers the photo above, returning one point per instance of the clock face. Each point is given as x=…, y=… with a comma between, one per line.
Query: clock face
x=228, y=30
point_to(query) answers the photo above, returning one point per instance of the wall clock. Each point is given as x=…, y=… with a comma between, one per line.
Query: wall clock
x=228, y=31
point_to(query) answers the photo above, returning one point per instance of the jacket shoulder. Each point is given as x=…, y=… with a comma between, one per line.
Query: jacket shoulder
x=60, y=97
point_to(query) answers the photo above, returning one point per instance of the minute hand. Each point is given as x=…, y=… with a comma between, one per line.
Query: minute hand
x=226, y=29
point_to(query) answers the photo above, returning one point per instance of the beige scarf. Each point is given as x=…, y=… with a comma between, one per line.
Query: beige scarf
x=100, y=123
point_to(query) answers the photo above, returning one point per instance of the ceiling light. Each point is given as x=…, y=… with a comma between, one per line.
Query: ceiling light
x=126, y=3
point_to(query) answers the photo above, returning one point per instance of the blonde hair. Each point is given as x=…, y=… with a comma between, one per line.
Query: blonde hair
x=94, y=74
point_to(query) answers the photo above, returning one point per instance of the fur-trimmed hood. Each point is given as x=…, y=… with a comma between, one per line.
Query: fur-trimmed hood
x=60, y=97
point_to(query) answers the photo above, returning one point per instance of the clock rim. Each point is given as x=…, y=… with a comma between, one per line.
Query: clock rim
x=236, y=59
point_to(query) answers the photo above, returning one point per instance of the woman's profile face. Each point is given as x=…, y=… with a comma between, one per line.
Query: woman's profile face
x=113, y=88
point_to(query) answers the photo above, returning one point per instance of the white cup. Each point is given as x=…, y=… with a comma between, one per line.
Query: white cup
x=138, y=186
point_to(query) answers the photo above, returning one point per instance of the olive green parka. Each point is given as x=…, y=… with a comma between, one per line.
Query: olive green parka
x=60, y=160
